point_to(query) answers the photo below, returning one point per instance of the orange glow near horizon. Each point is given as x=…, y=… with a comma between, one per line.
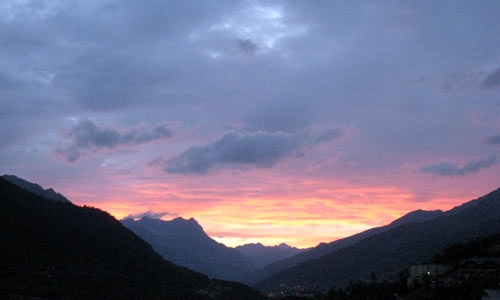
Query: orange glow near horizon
x=301, y=213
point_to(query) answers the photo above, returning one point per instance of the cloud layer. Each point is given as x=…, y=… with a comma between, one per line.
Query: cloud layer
x=86, y=136
x=449, y=169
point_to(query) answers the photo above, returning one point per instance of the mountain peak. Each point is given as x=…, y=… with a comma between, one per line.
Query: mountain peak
x=178, y=225
x=417, y=216
x=261, y=255
x=181, y=220
x=184, y=242
x=35, y=188
x=285, y=246
x=260, y=245
x=251, y=245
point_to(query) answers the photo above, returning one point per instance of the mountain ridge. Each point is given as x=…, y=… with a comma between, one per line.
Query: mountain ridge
x=396, y=248
x=184, y=242
x=325, y=248
x=58, y=250
x=260, y=255
x=35, y=188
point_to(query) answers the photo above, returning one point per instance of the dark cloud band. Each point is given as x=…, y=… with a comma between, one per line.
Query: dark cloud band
x=493, y=80
x=329, y=135
x=261, y=150
x=448, y=169
x=494, y=140
x=86, y=136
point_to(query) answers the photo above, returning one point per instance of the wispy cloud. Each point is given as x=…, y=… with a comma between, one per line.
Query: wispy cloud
x=151, y=214
x=449, y=169
x=86, y=136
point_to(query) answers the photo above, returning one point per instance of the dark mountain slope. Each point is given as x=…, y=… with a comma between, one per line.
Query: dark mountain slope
x=479, y=247
x=185, y=243
x=396, y=248
x=260, y=255
x=54, y=250
x=325, y=248
x=416, y=216
x=35, y=188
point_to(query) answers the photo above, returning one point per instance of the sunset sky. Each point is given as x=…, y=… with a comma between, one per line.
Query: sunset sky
x=267, y=121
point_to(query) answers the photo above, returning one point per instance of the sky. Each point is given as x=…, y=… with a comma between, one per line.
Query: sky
x=267, y=121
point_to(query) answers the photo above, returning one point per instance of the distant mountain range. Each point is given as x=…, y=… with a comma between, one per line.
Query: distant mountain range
x=185, y=243
x=261, y=256
x=325, y=248
x=93, y=248
x=57, y=250
x=394, y=248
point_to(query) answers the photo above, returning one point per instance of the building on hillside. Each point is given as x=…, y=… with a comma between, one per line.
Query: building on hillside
x=479, y=267
x=418, y=274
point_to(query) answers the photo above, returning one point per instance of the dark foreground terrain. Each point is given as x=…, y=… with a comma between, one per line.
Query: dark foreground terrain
x=57, y=250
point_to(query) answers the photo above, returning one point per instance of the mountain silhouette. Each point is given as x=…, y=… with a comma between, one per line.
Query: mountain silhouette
x=185, y=243
x=325, y=248
x=261, y=256
x=57, y=250
x=35, y=188
x=396, y=248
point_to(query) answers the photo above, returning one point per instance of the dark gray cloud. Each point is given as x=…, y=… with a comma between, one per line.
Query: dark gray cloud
x=329, y=135
x=247, y=46
x=152, y=215
x=449, y=169
x=97, y=85
x=86, y=136
x=261, y=150
x=494, y=140
x=493, y=80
